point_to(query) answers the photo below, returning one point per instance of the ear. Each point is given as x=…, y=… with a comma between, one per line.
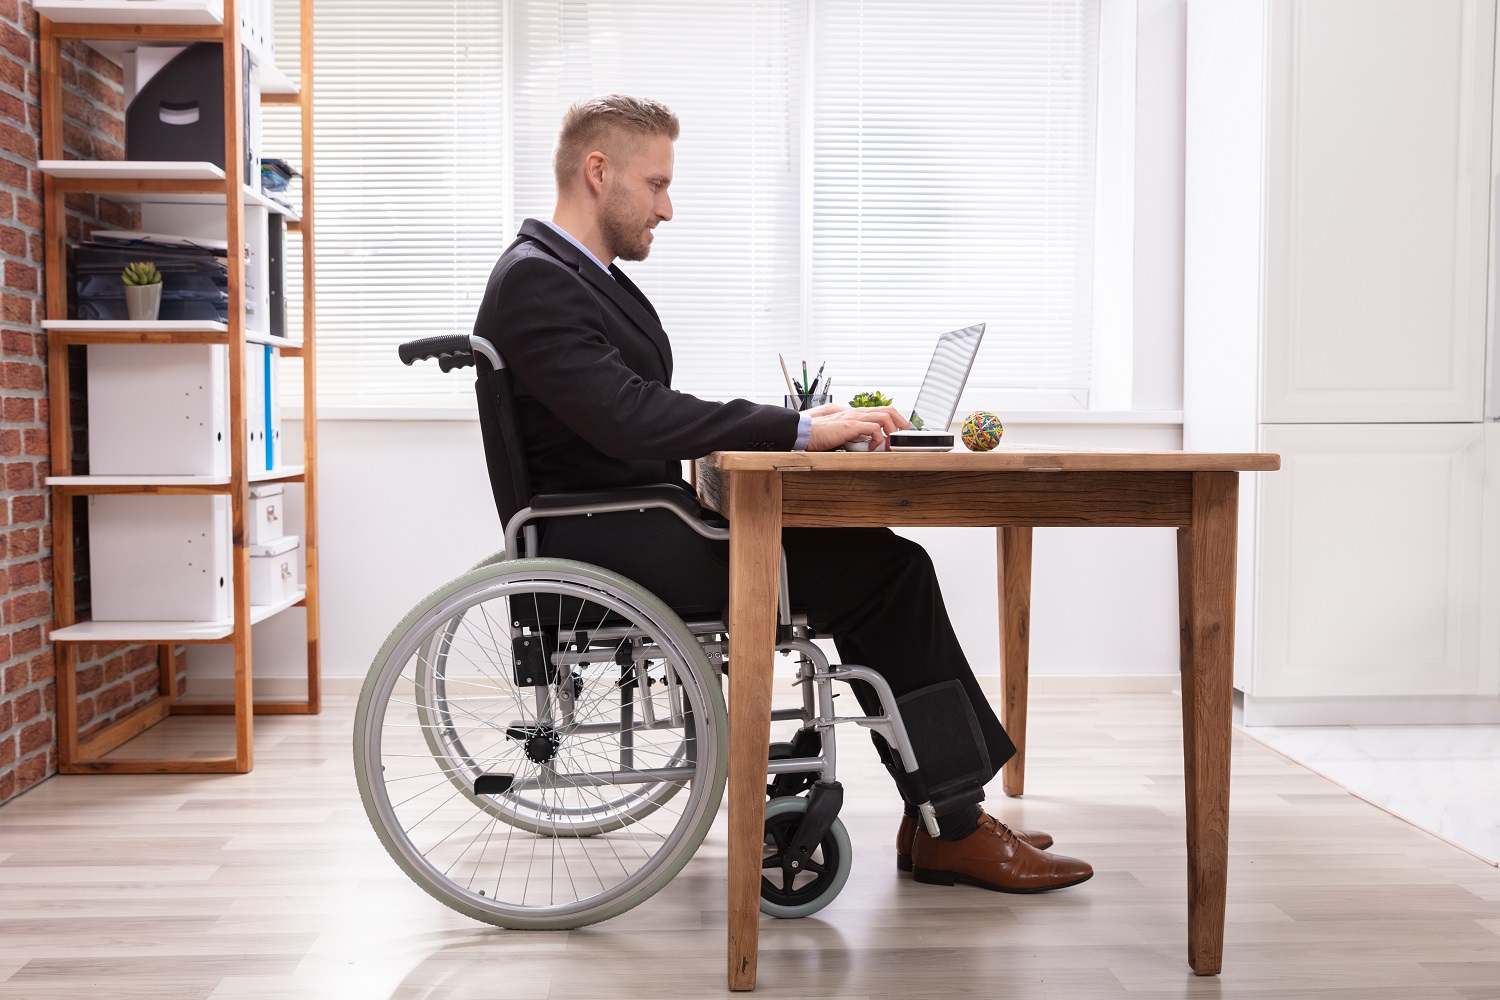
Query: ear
x=595, y=166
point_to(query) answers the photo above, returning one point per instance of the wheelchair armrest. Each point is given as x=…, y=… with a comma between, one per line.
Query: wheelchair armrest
x=678, y=498
x=664, y=497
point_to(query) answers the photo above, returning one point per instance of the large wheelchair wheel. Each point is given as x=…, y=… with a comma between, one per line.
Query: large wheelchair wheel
x=541, y=744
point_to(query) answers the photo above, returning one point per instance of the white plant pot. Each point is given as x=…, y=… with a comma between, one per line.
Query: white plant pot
x=143, y=302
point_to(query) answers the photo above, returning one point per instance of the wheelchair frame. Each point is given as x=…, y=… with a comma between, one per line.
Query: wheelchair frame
x=429, y=633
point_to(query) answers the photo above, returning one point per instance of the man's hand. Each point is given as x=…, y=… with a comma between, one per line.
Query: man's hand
x=834, y=425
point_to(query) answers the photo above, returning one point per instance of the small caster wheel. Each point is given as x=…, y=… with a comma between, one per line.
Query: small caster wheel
x=788, y=892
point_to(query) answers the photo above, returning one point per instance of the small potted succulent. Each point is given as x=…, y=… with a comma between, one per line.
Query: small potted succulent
x=871, y=399
x=142, y=290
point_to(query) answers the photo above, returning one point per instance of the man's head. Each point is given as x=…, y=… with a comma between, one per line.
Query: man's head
x=614, y=165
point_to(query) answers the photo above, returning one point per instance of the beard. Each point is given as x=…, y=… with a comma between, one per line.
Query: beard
x=624, y=237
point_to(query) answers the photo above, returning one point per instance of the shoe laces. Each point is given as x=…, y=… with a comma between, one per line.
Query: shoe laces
x=1002, y=831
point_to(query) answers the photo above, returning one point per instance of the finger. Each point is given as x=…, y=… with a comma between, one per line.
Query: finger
x=901, y=422
x=877, y=434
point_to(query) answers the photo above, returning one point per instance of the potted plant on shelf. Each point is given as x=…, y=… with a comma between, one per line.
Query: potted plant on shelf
x=142, y=290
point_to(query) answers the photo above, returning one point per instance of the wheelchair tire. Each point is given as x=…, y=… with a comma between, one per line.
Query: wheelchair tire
x=823, y=879
x=570, y=758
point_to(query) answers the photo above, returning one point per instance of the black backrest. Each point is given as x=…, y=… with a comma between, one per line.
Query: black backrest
x=503, y=453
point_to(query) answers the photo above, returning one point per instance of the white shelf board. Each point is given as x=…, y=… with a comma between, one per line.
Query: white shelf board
x=135, y=325
x=198, y=12
x=137, y=480
x=203, y=13
x=254, y=197
x=256, y=337
x=159, y=170
x=260, y=612
x=158, y=632
x=272, y=79
x=147, y=170
x=154, y=632
x=259, y=476
x=282, y=472
x=164, y=326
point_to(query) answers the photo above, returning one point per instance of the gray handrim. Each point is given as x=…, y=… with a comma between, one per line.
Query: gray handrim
x=798, y=804
x=700, y=687
x=630, y=807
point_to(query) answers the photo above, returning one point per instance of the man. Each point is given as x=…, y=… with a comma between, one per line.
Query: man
x=592, y=368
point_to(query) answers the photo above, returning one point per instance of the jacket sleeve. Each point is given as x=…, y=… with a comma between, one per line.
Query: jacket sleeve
x=550, y=332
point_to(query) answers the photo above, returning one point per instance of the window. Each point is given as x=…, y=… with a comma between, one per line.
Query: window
x=853, y=178
x=952, y=182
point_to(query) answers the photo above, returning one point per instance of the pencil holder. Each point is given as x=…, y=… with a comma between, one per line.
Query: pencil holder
x=806, y=401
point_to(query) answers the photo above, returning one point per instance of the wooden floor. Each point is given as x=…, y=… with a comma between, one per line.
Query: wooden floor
x=271, y=885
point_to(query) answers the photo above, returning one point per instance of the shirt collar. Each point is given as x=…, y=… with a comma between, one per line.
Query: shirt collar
x=569, y=237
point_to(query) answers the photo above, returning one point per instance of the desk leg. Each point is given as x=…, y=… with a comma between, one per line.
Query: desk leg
x=1014, y=552
x=754, y=564
x=1206, y=573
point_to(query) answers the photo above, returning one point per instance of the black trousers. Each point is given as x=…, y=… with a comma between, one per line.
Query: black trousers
x=873, y=591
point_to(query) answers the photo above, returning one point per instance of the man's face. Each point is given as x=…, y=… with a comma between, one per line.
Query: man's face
x=635, y=198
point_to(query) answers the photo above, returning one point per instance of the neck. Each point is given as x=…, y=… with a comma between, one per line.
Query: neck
x=582, y=226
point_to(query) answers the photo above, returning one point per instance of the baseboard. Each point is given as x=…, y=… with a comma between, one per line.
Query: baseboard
x=267, y=688
x=283, y=688
x=1393, y=711
x=1090, y=683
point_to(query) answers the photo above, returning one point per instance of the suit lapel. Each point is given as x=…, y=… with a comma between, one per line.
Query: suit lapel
x=619, y=289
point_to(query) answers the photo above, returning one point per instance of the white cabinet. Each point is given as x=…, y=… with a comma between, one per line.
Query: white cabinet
x=1370, y=565
x=1377, y=177
x=1341, y=156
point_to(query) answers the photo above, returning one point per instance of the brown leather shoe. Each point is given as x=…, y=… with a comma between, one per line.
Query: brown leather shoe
x=993, y=858
x=907, y=832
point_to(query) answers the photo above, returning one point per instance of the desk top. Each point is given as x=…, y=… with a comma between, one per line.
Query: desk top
x=1006, y=458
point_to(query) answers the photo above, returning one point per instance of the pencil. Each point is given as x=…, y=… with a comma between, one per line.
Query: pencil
x=786, y=375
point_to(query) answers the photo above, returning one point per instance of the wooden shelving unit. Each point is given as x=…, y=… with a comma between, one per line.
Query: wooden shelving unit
x=112, y=27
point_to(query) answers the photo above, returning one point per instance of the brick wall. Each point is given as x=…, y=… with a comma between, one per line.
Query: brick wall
x=120, y=677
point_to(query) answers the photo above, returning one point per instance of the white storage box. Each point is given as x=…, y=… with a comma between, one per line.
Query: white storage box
x=273, y=570
x=264, y=518
x=160, y=558
x=158, y=410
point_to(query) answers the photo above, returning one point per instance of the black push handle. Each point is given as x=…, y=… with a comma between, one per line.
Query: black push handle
x=451, y=351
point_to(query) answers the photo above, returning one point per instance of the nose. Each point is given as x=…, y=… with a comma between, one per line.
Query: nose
x=664, y=207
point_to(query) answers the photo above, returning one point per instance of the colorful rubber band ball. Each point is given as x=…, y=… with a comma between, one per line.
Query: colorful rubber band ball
x=982, y=431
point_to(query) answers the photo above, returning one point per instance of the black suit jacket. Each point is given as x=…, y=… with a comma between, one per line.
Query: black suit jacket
x=592, y=371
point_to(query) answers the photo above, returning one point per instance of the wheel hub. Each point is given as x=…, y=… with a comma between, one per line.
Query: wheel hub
x=540, y=742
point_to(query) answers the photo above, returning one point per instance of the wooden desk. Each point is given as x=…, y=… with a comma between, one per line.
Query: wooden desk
x=1012, y=490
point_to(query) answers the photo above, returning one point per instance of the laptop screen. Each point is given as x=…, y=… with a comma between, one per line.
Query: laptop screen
x=937, y=400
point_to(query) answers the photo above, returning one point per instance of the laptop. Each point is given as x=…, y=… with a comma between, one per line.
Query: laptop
x=937, y=400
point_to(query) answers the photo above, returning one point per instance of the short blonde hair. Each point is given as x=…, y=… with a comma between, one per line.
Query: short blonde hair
x=591, y=124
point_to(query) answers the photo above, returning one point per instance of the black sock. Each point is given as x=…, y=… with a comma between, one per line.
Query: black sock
x=958, y=825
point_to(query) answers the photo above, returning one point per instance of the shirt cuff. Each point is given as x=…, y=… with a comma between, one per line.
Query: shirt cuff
x=804, y=431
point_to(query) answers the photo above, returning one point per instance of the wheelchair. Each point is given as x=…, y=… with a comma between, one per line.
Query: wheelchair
x=542, y=744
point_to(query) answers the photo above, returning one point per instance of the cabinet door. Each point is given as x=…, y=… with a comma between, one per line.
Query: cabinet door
x=1378, y=123
x=1369, y=562
x=1489, y=604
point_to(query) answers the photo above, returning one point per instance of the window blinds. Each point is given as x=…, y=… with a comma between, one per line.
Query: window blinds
x=723, y=274
x=953, y=175
x=408, y=140
x=853, y=177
